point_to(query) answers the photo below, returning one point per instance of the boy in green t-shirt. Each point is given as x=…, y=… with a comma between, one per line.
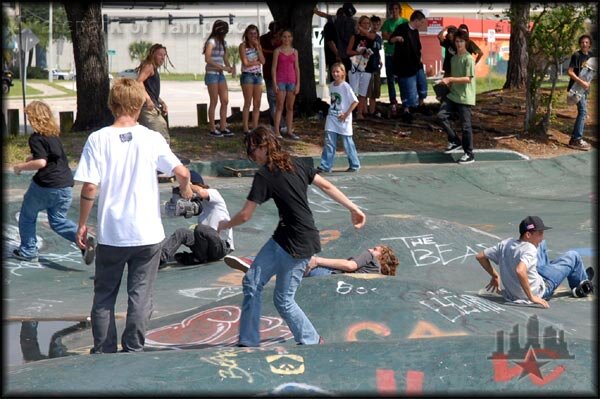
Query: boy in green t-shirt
x=460, y=99
x=388, y=27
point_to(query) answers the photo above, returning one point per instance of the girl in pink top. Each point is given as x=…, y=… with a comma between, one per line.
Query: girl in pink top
x=286, y=82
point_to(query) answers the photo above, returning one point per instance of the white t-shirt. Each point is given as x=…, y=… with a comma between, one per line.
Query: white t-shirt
x=123, y=162
x=507, y=254
x=213, y=211
x=341, y=98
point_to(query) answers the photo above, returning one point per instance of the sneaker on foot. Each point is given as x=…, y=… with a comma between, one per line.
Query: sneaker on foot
x=242, y=263
x=579, y=144
x=583, y=289
x=466, y=158
x=452, y=146
x=89, y=253
x=293, y=136
x=283, y=129
x=590, y=273
x=351, y=170
x=17, y=255
x=320, y=170
x=407, y=117
x=216, y=133
x=226, y=132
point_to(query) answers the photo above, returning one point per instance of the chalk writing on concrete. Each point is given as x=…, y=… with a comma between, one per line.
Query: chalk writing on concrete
x=425, y=250
x=286, y=364
x=347, y=288
x=215, y=326
x=225, y=359
x=211, y=293
x=376, y=328
x=326, y=205
x=453, y=306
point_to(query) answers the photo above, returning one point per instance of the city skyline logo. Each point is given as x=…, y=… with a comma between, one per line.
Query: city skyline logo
x=528, y=360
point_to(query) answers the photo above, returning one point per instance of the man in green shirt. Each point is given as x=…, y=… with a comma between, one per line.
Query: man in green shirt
x=388, y=27
x=460, y=98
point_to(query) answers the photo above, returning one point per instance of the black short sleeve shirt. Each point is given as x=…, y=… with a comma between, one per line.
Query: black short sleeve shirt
x=56, y=173
x=296, y=232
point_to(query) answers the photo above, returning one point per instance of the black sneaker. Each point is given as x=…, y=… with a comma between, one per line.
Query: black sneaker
x=320, y=170
x=351, y=170
x=407, y=117
x=17, y=255
x=89, y=253
x=216, y=133
x=451, y=147
x=590, y=273
x=226, y=132
x=466, y=159
x=583, y=289
x=579, y=144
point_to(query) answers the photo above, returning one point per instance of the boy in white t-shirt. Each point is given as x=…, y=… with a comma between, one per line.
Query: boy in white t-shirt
x=120, y=161
x=339, y=121
x=523, y=279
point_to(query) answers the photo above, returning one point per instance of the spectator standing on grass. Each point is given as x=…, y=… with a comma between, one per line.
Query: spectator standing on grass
x=374, y=91
x=286, y=83
x=408, y=64
x=120, y=161
x=251, y=79
x=269, y=42
x=577, y=61
x=286, y=254
x=389, y=26
x=51, y=187
x=217, y=62
x=360, y=49
x=339, y=121
x=460, y=99
x=155, y=110
x=446, y=38
x=472, y=48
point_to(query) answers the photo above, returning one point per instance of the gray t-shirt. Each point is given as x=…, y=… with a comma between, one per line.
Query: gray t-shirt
x=507, y=254
x=366, y=263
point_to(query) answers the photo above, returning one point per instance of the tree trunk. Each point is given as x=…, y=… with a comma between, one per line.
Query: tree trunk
x=518, y=54
x=298, y=17
x=89, y=51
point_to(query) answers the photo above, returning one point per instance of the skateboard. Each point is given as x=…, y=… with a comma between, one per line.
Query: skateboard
x=241, y=171
x=587, y=73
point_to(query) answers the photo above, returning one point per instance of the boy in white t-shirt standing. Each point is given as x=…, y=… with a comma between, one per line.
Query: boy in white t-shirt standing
x=120, y=161
x=339, y=121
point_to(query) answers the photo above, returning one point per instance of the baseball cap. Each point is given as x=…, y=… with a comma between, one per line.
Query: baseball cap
x=195, y=177
x=532, y=223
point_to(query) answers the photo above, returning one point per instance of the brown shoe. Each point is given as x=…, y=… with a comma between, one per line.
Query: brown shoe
x=579, y=144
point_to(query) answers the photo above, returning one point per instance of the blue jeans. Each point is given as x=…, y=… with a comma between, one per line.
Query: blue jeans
x=286, y=86
x=464, y=113
x=391, y=78
x=329, y=151
x=213, y=78
x=581, y=115
x=413, y=89
x=320, y=271
x=248, y=78
x=274, y=260
x=56, y=202
x=569, y=266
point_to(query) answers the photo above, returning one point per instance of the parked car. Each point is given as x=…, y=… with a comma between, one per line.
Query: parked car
x=128, y=73
x=61, y=75
x=7, y=82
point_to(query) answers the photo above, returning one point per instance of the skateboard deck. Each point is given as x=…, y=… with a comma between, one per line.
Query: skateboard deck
x=241, y=171
x=587, y=73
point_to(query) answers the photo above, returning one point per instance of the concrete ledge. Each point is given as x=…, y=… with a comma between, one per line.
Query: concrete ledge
x=216, y=168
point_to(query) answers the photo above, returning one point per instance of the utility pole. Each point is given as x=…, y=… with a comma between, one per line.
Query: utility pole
x=22, y=65
x=50, y=48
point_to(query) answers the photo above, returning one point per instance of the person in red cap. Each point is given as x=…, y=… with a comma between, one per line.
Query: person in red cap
x=524, y=278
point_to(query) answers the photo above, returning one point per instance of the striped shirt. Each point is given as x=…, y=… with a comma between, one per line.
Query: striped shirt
x=252, y=55
x=217, y=55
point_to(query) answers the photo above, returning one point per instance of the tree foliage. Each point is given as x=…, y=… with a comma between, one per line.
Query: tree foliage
x=552, y=37
x=138, y=50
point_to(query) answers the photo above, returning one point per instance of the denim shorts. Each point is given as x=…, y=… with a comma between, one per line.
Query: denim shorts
x=286, y=86
x=248, y=78
x=212, y=78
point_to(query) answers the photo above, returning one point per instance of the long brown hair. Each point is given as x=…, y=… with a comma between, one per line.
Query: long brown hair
x=41, y=118
x=150, y=57
x=219, y=30
x=277, y=158
x=388, y=261
x=245, y=35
